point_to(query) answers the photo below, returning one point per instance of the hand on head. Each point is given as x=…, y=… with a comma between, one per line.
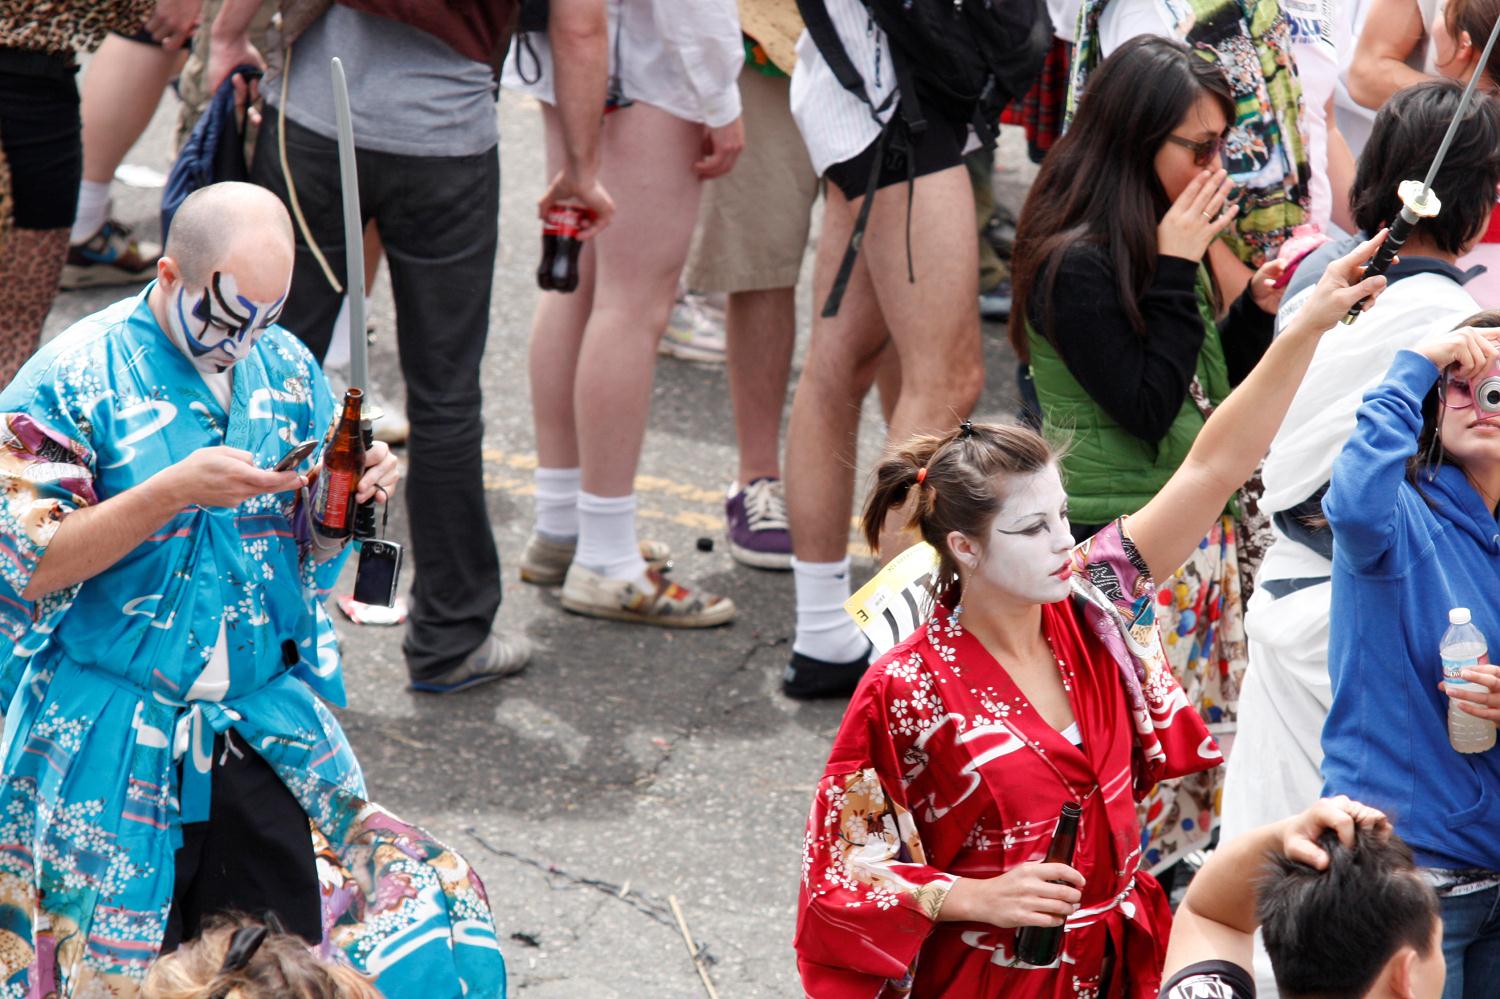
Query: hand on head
x=1340, y=814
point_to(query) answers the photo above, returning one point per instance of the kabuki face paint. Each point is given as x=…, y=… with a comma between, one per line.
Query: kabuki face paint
x=216, y=325
x=1027, y=554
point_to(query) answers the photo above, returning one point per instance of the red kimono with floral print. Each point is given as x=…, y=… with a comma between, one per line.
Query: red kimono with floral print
x=942, y=769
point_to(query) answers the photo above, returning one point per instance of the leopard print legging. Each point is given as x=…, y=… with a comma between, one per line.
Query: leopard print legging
x=31, y=262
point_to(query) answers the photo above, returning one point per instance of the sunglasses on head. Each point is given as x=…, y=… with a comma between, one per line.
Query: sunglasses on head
x=1204, y=152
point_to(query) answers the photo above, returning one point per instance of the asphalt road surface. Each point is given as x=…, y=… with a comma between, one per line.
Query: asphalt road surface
x=627, y=766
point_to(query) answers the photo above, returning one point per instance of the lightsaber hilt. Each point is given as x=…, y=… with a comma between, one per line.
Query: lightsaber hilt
x=1414, y=208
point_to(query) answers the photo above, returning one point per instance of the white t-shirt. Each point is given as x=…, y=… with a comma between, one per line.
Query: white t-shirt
x=1315, y=52
x=684, y=58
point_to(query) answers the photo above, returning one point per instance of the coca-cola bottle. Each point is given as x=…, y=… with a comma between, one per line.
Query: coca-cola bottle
x=1039, y=946
x=560, y=245
x=338, y=479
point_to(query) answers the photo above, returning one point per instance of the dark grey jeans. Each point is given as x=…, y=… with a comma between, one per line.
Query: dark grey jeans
x=439, y=223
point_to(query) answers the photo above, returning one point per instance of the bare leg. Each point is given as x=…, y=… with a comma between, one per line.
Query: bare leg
x=121, y=90
x=838, y=371
x=762, y=332
x=31, y=261
x=888, y=382
x=647, y=166
x=556, y=337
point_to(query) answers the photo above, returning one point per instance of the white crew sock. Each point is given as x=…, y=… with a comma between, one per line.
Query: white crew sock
x=606, y=536
x=557, y=502
x=824, y=629
x=93, y=210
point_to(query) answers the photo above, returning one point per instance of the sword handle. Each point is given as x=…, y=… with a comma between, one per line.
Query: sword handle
x=364, y=514
x=1381, y=262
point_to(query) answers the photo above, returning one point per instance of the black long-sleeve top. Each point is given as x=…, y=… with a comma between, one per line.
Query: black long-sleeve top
x=1142, y=380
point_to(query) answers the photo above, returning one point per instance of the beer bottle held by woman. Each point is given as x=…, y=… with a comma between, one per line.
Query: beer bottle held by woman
x=338, y=480
x=1039, y=946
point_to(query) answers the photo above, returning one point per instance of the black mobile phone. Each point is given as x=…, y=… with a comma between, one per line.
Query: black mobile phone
x=295, y=456
x=379, y=572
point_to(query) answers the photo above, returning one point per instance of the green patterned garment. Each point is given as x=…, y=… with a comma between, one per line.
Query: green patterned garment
x=1265, y=152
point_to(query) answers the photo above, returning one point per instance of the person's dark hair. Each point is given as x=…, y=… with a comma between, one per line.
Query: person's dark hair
x=1477, y=17
x=1406, y=133
x=1430, y=450
x=961, y=490
x=1098, y=184
x=1330, y=932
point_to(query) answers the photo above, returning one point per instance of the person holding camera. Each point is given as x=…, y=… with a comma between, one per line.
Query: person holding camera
x=1285, y=697
x=1412, y=505
x=167, y=756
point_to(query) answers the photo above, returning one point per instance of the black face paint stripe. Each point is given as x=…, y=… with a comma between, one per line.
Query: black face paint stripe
x=242, y=322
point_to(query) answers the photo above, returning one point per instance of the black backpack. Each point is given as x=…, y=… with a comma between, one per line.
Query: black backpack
x=981, y=54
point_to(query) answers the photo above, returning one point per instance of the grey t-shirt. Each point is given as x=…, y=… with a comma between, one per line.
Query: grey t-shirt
x=410, y=93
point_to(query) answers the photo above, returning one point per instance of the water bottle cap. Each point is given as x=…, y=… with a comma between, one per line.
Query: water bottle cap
x=1459, y=615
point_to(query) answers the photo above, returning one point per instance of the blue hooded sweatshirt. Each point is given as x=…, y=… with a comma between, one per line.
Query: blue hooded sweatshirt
x=1400, y=563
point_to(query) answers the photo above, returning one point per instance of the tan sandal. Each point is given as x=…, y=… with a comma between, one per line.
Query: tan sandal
x=652, y=599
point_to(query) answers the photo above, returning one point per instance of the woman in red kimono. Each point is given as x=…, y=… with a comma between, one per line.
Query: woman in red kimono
x=1038, y=679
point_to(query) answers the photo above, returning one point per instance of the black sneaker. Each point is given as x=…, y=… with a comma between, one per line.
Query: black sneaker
x=809, y=679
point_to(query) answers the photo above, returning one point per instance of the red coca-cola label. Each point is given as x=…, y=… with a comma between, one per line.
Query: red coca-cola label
x=336, y=499
x=566, y=220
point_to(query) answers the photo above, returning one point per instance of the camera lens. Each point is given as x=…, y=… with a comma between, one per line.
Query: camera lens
x=1487, y=395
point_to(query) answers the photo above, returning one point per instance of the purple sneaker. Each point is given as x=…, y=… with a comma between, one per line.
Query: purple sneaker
x=756, y=521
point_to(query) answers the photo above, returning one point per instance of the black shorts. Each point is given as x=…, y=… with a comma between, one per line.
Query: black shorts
x=254, y=854
x=937, y=147
x=41, y=135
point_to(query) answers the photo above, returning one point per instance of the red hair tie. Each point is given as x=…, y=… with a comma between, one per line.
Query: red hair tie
x=921, y=475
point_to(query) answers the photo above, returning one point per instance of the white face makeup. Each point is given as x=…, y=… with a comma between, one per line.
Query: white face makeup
x=1027, y=553
x=217, y=326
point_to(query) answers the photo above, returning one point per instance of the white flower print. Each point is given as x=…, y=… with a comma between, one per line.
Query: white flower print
x=884, y=898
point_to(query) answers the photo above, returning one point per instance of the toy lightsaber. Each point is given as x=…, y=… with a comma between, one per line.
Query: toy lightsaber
x=1418, y=200
x=354, y=281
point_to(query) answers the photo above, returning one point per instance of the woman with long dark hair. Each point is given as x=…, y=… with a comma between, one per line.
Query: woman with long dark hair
x=1039, y=679
x=1116, y=313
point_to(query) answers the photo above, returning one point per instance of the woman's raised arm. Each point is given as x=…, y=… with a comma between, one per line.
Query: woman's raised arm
x=1237, y=436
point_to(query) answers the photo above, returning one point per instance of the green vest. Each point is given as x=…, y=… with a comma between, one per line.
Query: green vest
x=1107, y=470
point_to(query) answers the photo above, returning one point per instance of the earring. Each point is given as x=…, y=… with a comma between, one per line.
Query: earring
x=958, y=609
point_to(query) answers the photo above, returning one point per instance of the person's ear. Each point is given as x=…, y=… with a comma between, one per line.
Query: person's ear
x=1401, y=973
x=167, y=271
x=964, y=550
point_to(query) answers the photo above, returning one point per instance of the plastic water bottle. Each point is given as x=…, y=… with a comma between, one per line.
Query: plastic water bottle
x=1463, y=646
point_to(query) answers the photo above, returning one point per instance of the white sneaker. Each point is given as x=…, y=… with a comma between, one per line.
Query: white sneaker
x=692, y=334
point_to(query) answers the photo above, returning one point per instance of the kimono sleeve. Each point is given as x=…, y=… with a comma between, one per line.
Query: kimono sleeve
x=1115, y=591
x=868, y=899
x=46, y=472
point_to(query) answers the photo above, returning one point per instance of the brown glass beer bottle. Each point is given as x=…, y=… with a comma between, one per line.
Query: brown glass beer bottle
x=338, y=480
x=1039, y=945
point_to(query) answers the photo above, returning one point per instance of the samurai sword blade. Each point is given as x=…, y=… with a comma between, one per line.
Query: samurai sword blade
x=354, y=233
x=1463, y=108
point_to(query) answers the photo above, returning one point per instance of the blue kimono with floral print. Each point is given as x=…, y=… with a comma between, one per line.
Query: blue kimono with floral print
x=106, y=745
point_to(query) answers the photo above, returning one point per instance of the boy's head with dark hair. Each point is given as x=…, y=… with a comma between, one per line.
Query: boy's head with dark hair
x=1406, y=134
x=1339, y=933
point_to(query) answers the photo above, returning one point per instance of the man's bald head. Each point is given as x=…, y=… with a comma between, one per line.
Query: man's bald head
x=238, y=228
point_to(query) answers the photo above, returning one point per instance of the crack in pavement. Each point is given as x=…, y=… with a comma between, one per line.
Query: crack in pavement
x=650, y=906
x=648, y=778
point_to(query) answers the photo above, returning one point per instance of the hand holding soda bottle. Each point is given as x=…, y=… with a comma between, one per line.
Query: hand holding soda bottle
x=561, y=240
